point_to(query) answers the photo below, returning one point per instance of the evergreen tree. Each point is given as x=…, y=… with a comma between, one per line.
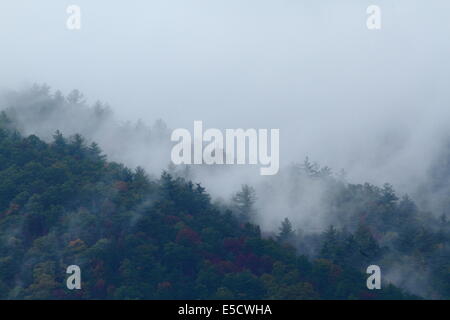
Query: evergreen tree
x=75, y=97
x=286, y=232
x=244, y=201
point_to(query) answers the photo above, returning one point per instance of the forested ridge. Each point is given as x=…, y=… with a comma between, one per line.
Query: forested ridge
x=140, y=236
x=63, y=203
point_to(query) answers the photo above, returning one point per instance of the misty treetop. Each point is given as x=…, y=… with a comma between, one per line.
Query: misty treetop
x=140, y=236
x=63, y=203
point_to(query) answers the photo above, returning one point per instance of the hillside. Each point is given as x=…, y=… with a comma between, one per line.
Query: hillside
x=63, y=203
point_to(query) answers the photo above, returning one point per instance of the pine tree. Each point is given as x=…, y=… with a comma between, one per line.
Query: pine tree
x=286, y=231
x=244, y=201
x=311, y=169
x=75, y=97
x=330, y=246
x=95, y=152
x=59, y=142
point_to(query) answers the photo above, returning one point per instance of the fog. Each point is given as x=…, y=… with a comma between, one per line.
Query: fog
x=374, y=103
x=371, y=102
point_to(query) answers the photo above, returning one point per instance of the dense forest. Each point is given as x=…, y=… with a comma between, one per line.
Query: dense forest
x=136, y=236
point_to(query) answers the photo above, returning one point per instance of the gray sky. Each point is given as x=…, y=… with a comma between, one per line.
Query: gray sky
x=346, y=96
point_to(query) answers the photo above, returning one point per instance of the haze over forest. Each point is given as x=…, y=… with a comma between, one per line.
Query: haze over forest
x=373, y=103
x=367, y=106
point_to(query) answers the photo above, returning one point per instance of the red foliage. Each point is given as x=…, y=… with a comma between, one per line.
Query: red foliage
x=13, y=208
x=100, y=285
x=234, y=245
x=367, y=295
x=76, y=243
x=188, y=235
x=121, y=186
x=249, y=261
x=164, y=285
x=223, y=267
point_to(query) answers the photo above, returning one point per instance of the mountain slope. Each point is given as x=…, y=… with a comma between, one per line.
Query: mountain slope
x=63, y=203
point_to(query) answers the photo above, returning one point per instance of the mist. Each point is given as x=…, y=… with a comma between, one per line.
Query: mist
x=371, y=103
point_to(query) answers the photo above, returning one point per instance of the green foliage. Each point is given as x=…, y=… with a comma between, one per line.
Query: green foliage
x=63, y=203
x=286, y=233
x=244, y=201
